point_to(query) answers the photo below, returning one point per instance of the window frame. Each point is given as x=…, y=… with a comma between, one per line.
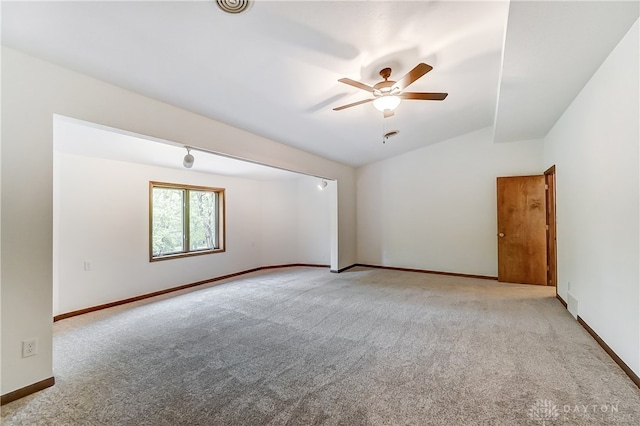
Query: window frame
x=220, y=220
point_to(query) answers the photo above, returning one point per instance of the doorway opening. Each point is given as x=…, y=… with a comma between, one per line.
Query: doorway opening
x=101, y=217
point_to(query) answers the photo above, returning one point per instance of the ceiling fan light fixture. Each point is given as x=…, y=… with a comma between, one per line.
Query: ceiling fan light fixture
x=386, y=102
x=387, y=94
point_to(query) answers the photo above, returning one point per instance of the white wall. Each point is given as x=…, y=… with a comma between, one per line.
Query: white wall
x=102, y=216
x=314, y=210
x=279, y=238
x=594, y=146
x=32, y=92
x=435, y=208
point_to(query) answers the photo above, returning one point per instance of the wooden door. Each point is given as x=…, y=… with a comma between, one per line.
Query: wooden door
x=522, y=234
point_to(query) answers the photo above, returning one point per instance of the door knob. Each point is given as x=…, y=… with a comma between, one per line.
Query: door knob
x=501, y=235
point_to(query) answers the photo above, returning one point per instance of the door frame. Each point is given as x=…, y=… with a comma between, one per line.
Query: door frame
x=552, y=250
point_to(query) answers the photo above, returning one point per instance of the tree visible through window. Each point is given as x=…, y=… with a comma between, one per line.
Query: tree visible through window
x=185, y=220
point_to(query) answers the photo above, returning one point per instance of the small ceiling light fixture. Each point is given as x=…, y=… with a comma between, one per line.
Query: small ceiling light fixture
x=322, y=185
x=188, y=159
x=234, y=6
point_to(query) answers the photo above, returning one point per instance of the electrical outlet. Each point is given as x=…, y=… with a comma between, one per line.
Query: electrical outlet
x=29, y=347
x=88, y=265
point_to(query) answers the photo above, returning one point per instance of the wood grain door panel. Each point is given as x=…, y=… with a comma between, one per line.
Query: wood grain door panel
x=522, y=235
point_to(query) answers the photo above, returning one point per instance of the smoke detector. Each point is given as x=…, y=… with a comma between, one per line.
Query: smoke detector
x=389, y=134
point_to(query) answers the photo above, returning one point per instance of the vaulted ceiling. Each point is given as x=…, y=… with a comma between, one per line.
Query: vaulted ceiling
x=274, y=69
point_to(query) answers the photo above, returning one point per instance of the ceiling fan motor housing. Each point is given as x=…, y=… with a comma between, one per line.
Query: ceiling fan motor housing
x=384, y=87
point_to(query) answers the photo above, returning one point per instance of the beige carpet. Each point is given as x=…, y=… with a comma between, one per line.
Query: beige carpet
x=302, y=346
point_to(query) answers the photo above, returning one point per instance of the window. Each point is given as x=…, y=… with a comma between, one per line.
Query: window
x=185, y=220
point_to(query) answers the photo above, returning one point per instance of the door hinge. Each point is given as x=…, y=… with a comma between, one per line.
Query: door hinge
x=548, y=268
x=546, y=187
x=547, y=227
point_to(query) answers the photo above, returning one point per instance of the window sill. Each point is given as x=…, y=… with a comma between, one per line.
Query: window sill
x=181, y=255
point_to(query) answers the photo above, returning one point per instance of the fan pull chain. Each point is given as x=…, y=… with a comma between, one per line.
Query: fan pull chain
x=384, y=132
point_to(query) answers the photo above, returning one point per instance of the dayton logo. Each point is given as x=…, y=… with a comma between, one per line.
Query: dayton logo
x=544, y=411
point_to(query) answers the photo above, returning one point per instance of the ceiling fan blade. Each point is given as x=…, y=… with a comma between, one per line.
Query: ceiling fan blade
x=423, y=96
x=356, y=84
x=353, y=104
x=419, y=70
x=388, y=113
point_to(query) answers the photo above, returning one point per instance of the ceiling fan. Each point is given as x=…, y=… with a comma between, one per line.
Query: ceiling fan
x=387, y=94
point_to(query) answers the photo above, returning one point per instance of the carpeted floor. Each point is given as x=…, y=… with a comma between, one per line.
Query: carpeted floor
x=302, y=346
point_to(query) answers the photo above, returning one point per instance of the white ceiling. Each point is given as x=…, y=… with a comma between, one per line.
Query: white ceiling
x=274, y=69
x=77, y=137
x=552, y=49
